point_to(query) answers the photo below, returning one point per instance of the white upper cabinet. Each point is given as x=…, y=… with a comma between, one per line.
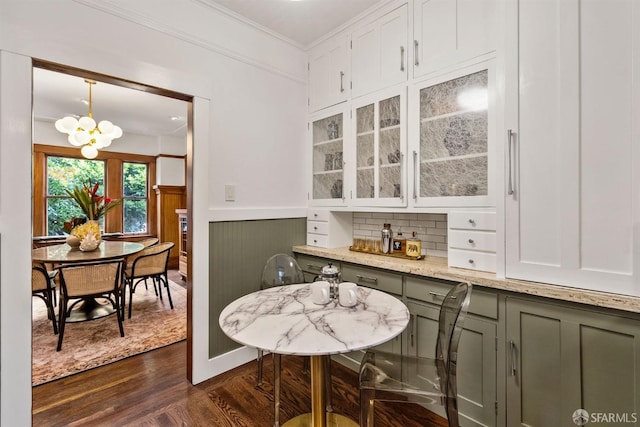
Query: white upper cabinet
x=453, y=138
x=449, y=32
x=573, y=159
x=379, y=128
x=379, y=53
x=327, y=133
x=329, y=73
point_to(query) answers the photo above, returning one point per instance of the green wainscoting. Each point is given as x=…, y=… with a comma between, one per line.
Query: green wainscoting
x=238, y=251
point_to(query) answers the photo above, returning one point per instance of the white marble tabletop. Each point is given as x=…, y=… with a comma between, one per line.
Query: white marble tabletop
x=284, y=320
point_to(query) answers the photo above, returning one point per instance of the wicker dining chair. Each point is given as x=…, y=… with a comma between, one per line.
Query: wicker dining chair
x=89, y=280
x=43, y=287
x=430, y=381
x=150, y=263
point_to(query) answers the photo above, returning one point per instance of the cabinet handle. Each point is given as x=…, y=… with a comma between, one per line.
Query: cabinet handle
x=471, y=261
x=471, y=242
x=472, y=221
x=401, y=175
x=414, y=322
x=401, y=58
x=512, y=350
x=415, y=174
x=510, y=138
x=315, y=228
x=416, y=62
x=367, y=278
x=437, y=295
x=341, y=85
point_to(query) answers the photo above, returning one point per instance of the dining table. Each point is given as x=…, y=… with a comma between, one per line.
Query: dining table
x=285, y=320
x=64, y=254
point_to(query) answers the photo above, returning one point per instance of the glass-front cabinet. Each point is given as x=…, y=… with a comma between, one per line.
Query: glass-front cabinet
x=327, y=157
x=451, y=154
x=380, y=149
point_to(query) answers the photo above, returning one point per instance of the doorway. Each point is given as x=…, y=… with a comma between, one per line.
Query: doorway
x=121, y=99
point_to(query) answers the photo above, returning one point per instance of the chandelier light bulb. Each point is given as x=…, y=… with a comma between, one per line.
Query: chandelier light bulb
x=89, y=151
x=86, y=134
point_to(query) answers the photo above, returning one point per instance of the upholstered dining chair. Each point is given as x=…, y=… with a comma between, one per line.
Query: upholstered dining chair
x=401, y=378
x=150, y=263
x=43, y=287
x=89, y=280
x=279, y=270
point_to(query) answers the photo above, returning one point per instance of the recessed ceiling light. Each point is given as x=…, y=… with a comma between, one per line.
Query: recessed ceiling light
x=175, y=118
x=84, y=101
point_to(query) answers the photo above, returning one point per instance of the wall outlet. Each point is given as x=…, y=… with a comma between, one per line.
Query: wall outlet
x=229, y=193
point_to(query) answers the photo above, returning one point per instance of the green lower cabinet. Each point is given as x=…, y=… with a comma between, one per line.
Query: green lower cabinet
x=477, y=359
x=561, y=359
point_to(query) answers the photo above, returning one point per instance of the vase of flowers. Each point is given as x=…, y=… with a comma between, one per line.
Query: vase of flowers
x=94, y=206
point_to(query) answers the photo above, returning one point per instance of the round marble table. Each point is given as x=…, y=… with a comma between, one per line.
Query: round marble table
x=65, y=254
x=284, y=320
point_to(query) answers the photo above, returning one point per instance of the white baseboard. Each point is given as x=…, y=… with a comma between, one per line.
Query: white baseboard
x=225, y=362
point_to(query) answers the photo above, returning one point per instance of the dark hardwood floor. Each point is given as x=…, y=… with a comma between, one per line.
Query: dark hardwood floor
x=151, y=390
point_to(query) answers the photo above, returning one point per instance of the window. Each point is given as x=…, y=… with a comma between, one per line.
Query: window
x=125, y=176
x=65, y=174
x=134, y=193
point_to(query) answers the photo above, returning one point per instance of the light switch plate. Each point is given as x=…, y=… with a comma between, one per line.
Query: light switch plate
x=230, y=193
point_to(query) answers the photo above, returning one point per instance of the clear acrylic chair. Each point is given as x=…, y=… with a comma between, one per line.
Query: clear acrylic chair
x=399, y=378
x=279, y=270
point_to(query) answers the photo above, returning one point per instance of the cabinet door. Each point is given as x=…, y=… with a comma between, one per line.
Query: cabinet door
x=477, y=360
x=449, y=32
x=327, y=134
x=573, y=164
x=380, y=135
x=328, y=73
x=379, y=53
x=453, y=138
x=562, y=359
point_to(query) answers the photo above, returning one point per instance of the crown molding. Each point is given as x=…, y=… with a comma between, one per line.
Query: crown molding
x=135, y=17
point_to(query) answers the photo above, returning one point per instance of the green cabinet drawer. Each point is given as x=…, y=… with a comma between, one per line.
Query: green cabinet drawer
x=312, y=266
x=378, y=279
x=433, y=291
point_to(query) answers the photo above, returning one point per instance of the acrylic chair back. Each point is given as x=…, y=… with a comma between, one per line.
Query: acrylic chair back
x=281, y=269
x=452, y=315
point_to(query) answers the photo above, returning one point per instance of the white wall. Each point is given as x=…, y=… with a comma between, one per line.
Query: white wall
x=170, y=171
x=249, y=115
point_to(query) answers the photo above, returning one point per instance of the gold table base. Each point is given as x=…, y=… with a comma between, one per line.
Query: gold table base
x=333, y=420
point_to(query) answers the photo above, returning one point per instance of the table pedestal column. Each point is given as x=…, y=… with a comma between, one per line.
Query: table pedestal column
x=319, y=416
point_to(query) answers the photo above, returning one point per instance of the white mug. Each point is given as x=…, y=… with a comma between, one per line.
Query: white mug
x=320, y=292
x=348, y=294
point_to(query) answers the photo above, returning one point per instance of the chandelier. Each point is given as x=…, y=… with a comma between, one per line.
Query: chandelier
x=86, y=134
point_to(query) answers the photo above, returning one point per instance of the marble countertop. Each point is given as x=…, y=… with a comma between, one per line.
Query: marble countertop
x=284, y=320
x=437, y=267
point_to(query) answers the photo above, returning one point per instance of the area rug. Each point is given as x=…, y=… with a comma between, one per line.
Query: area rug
x=95, y=343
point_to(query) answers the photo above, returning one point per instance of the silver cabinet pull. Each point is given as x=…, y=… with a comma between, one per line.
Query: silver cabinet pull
x=416, y=62
x=367, y=278
x=401, y=174
x=341, y=78
x=472, y=221
x=401, y=58
x=414, y=322
x=437, y=295
x=512, y=350
x=415, y=174
x=510, y=135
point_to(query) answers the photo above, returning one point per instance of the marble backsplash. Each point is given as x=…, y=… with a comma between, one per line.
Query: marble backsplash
x=430, y=228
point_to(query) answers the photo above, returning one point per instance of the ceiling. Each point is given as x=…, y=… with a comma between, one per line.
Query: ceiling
x=303, y=21
x=56, y=95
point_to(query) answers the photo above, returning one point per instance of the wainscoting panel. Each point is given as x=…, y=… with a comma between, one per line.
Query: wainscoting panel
x=238, y=251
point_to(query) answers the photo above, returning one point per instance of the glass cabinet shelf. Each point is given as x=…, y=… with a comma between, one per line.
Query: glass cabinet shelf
x=327, y=157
